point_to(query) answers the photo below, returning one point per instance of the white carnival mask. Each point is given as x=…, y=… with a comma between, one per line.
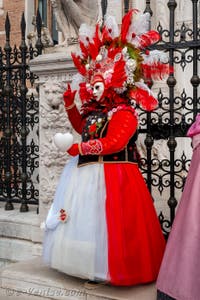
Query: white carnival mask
x=97, y=90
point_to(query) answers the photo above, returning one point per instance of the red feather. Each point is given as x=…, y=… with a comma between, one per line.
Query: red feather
x=94, y=50
x=106, y=37
x=113, y=51
x=84, y=93
x=126, y=22
x=144, y=99
x=84, y=49
x=78, y=64
x=96, y=38
x=156, y=71
x=149, y=38
x=119, y=75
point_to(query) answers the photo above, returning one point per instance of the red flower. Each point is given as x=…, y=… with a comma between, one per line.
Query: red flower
x=63, y=215
x=92, y=128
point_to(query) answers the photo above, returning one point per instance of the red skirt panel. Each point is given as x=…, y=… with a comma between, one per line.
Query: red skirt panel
x=135, y=240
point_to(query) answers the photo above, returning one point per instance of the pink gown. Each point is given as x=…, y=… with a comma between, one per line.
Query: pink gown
x=179, y=276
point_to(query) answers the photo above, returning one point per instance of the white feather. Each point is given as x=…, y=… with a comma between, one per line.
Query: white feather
x=140, y=84
x=86, y=33
x=139, y=25
x=111, y=24
x=136, y=41
x=155, y=56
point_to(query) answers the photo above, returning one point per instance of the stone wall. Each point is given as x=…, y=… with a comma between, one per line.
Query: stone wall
x=54, y=71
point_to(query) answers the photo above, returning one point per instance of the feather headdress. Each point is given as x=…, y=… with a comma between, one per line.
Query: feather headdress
x=121, y=58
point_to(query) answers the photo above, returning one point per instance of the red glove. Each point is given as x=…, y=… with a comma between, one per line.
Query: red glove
x=71, y=109
x=121, y=128
x=68, y=97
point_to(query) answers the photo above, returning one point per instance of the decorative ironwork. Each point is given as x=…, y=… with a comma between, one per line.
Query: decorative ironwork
x=126, y=6
x=104, y=5
x=175, y=113
x=19, y=117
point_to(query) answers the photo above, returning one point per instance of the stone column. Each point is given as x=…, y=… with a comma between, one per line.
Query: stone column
x=29, y=13
x=54, y=71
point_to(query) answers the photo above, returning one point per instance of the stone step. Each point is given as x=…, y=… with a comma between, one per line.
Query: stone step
x=8, y=294
x=35, y=279
x=20, y=235
x=19, y=225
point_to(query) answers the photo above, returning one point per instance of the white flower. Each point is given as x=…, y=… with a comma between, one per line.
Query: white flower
x=87, y=66
x=124, y=50
x=131, y=64
x=99, y=57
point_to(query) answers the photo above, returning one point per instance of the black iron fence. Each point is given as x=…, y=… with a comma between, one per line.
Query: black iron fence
x=177, y=110
x=19, y=117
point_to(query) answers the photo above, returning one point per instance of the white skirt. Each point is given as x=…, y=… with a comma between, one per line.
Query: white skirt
x=78, y=247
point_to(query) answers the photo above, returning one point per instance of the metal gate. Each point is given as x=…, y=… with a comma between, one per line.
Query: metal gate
x=170, y=122
x=19, y=117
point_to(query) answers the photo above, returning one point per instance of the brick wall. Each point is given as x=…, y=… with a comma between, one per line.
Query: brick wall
x=14, y=9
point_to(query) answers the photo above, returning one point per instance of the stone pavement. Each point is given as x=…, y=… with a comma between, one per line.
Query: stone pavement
x=32, y=280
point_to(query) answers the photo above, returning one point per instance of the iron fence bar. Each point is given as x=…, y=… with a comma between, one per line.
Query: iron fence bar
x=23, y=92
x=126, y=6
x=171, y=81
x=7, y=132
x=149, y=139
x=177, y=45
x=148, y=8
x=38, y=44
x=195, y=77
x=104, y=5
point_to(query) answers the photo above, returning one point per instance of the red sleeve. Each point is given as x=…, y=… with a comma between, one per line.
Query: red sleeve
x=75, y=119
x=121, y=128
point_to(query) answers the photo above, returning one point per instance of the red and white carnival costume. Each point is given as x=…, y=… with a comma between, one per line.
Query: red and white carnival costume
x=102, y=224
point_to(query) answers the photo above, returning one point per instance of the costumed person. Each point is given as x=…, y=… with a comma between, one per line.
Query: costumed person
x=102, y=225
x=179, y=276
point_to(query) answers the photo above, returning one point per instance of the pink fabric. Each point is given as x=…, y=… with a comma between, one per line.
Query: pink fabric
x=195, y=127
x=195, y=140
x=179, y=276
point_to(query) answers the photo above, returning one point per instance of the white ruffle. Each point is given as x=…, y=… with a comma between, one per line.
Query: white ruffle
x=79, y=246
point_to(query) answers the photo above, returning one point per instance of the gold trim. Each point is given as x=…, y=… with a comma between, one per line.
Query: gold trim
x=103, y=129
x=126, y=153
x=70, y=106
